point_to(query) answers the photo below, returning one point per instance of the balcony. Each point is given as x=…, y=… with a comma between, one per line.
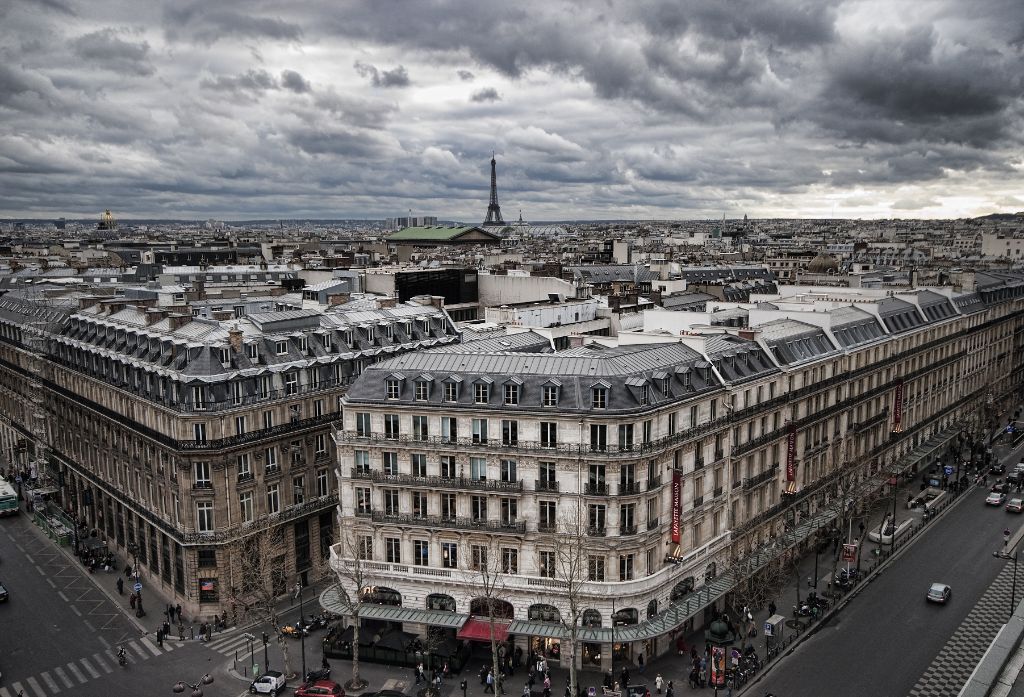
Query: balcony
x=545, y=485
x=878, y=418
x=597, y=532
x=652, y=524
x=757, y=480
x=245, y=477
x=719, y=454
x=202, y=485
x=627, y=530
x=593, y=489
x=718, y=492
x=546, y=527
x=379, y=477
x=698, y=501
x=698, y=464
x=654, y=483
x=627, y=488
x=433, y=521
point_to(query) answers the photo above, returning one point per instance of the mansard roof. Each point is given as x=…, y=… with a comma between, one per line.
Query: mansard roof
x=578, y=372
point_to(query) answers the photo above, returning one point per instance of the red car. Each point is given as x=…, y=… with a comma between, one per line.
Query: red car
x=320, y=688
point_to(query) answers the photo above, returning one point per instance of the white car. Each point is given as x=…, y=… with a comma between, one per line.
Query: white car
x=270, y=683
x=995, y=498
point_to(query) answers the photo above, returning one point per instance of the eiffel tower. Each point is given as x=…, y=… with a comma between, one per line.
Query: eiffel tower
x=493, y=209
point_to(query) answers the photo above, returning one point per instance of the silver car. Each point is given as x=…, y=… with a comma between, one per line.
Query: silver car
x=939, y=593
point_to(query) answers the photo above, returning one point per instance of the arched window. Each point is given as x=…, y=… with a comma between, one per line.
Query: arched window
x=591, y=618
x=652, y=609
x=682, y=588
x=625, y=616
x=491, y=607
x=440, y=601
x=381, y=595
x=544, y=613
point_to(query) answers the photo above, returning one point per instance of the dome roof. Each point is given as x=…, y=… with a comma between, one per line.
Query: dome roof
x=823, y=263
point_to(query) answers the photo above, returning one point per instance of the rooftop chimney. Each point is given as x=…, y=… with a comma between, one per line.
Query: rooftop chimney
x=154, y=315
x=235, y=338
x=178, y=320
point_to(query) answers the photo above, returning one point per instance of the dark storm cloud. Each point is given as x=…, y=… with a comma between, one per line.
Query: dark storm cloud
x=291, y=80
x=653, y=108
x=251, y=81
x=106, y=49
x=902, y=88
x=396, y=77
x=206, y=23
x=487, y=94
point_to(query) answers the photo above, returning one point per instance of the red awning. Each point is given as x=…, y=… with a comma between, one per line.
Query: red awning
x=480, y=630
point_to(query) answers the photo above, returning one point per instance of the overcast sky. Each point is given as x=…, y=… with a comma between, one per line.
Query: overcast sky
x=634, y=109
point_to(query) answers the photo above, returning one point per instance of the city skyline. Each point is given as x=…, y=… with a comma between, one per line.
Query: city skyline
x=622, y=111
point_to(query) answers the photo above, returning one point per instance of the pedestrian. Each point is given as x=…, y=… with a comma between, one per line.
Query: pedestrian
x=624, y=677
x=668, y=690
x=489, y=683
x=120, y=586
x=191, y=631
x=640, y=662
x=437, y=682
x=160, y=638
x=771, y=605
x=444, y=671
x=607, y=678
x=526, y=690
x=209, y=632
x=128, y=570
x=659, y=683
x=547, y=683
x=131, y=600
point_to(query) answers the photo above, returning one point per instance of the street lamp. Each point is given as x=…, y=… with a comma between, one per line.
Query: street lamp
x=302, y=626
x=721, y=637
x=1003, y=554
x=197, y=689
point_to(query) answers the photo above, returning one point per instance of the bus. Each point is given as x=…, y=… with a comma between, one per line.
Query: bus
x=8, y=499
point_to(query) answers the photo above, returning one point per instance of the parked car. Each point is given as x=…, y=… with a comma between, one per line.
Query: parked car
x=998, y=468
x=939, y=593
x=270, y=683
x=1015, y=506
x=995, y=498
x=325, y=688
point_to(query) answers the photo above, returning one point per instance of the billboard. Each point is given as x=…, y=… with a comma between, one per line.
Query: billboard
x=677, y=504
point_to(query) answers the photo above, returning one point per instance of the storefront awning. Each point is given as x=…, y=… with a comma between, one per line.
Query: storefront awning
x=480, y=630
x=550, y=630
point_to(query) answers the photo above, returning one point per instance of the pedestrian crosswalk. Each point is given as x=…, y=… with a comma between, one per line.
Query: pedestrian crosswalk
x=228, y=642
x=74, y=674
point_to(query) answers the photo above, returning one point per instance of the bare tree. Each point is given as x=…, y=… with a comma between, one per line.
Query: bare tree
x=353, y=577
x=488, y=578
x=261, y=581
x=570, y=575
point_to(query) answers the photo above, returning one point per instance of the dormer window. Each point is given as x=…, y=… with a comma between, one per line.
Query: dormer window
x=599, y=398
x=425, y=326
x=666, y=385
x=481, y=393
x=407, y=328
x=549, y=394
x=369, y=334
x=389, y=331
x=327, y=342
x=254, y=351
x=281, y=347
x=393, y=389
x=422, y=390
x=645, y=395
x=451, y=392
x=225, y=356
x=348, y=337
x=303, y=344
x=511, y=394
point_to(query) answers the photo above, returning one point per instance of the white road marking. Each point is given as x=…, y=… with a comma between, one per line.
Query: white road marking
x=79, y=676
x=139, y=651
x=88, y=666
x=63, y=677
x=50, y=682
x=36, y=687
x=98, y=657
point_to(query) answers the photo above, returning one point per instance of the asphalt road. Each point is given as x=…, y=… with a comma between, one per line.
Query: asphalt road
x=883, y=641
x=59, y=632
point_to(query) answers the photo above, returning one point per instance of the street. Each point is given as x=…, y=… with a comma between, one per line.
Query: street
x=885, y=639
x=60, y=632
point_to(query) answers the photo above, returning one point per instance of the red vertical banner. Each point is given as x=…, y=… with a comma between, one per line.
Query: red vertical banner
x=677, y=504
x=791, y=454
x=897, y=407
